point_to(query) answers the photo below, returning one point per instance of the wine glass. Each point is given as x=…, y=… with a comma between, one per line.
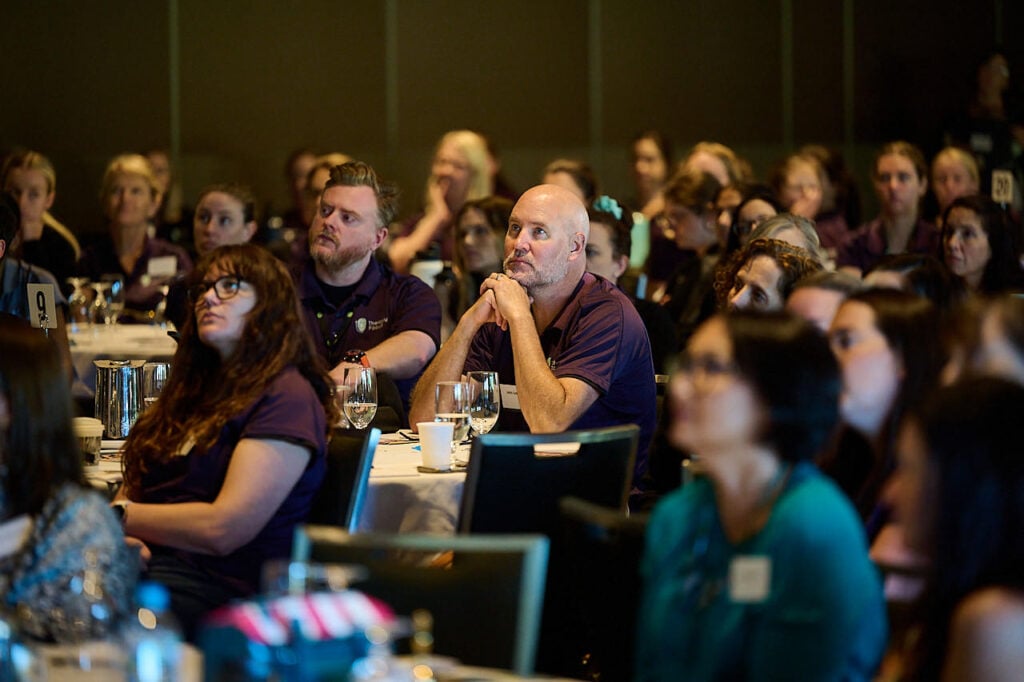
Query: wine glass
x=79, y=302
x=115, y=297
x=100, y=305
x=361, y=397
x=484, y=401
x=451, y=404
x=154, y=376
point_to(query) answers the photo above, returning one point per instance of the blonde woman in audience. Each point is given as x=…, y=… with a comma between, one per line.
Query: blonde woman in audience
x=460, y=172
x=799, y=183
x=130, y=196
x=43, y=241
x=954, y=175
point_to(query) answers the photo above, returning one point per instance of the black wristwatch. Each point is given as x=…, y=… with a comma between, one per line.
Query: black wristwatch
x=356, y=357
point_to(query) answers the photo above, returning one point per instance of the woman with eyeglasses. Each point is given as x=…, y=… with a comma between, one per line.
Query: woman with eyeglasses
x=218, y=473
x=758, y=567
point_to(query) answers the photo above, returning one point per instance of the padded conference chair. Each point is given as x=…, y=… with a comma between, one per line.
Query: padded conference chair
x=515, y=480
x=349, y=459
x=486, y=602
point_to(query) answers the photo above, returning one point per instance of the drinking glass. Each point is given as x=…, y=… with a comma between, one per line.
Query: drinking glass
x=154, y=375
x=451, y=404
x=484, y=401
x=361, y=399
x=79, y=302
x=100, y=305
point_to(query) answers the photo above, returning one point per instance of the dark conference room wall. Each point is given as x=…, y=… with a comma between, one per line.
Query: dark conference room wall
x=233, y=86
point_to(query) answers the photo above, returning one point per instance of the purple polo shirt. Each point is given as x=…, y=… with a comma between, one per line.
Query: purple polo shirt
x=866, y=245
x=101, y=259
x=598, y=338
x=383, y=304
x=288, y=410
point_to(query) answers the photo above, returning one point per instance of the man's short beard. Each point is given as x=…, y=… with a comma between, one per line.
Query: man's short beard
x=336, y=261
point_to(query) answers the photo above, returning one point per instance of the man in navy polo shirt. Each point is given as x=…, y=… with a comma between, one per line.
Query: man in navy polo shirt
x=357, y=310
x=570, y=349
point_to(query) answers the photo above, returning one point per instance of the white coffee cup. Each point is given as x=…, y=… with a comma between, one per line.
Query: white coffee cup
x=90, y=435
x=436, y=444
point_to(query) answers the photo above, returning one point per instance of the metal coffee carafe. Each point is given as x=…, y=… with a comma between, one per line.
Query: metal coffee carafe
x=118, y=395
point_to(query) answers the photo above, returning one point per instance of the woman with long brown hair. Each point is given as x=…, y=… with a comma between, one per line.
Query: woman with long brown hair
x=218, y=473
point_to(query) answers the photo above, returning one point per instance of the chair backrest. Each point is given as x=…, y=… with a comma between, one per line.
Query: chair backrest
x=486, y=600
x=594, y=591
x=514, y=480
x=349, y=458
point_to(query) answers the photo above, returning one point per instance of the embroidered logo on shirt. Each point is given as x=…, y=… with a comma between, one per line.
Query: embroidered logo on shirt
x=377, y=325
x=552, y=364
x=361, y=325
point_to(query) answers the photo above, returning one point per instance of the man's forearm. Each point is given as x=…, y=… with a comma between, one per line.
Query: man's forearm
x=403, y=355
x=542, y=397
x=447, y=365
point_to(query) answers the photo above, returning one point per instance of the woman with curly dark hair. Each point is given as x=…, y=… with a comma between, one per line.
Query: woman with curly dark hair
x=219, y=472
x=761, y=274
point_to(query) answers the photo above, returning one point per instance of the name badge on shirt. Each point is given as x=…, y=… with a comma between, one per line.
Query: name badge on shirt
x=162, y=266
x=509, y=397
x=750, y=579
x=42, y=306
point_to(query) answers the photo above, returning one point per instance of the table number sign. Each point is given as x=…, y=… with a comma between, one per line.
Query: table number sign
x=42, y=306
x=1002, y=186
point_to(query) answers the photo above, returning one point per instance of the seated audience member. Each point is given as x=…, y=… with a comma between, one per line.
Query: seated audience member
x=460, y=172
x=900, y=177
x=799, y=183
x=954, y=175
x=720, y=161
x=840, y=195
x=917, y=273
x=130, y=197
x=980, y=246
x=608, y=246
x=888, y=346
x=173, y=219
x=576, y=176
x=758, y=204
x=761, y=274
x=296, y=171
x=30, y=178
x=987, y=337
x=817, y=297
x=357, y=310
x=689, y=247
x=570, y=343
x=218, y=473
x=795, y=230
x=225, y=214
x=16, y=275
x=755, y=399
x=479, y=249
x=961, y=502
x=53, y=527
x=650, y=161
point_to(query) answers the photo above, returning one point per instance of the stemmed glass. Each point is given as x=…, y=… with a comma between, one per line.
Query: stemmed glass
x=115, y=297
x=79, y=302
x=484, y=401
x=360, y=396
x=451, y=404
x=100, y=305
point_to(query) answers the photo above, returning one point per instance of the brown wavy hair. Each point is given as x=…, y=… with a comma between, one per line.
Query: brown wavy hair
x=794, y=262
x=204, y=391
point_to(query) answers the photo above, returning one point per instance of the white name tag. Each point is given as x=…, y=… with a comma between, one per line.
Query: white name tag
x=509, y=397
x=14, y=534
x=162, y=266
x=1002, y=187
x=750, y=579
x=42, y=306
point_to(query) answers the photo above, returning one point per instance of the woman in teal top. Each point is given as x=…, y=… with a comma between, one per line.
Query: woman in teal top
x=758, y=569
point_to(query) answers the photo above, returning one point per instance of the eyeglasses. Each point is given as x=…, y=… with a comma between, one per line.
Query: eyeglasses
x=225, y=287
x=705, y=370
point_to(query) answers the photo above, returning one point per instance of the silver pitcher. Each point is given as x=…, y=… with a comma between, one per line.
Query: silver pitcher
x=118, y=395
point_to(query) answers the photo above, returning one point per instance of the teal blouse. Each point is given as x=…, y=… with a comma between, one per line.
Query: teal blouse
x=810, y=606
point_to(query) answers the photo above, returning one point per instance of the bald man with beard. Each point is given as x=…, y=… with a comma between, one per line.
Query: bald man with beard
x=570, y=349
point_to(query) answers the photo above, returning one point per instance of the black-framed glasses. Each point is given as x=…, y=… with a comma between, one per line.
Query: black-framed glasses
x=225, y=287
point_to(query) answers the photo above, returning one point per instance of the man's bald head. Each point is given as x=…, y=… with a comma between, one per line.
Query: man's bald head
x=547, y=237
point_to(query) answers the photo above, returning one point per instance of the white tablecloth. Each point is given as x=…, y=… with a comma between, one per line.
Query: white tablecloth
x=401, y=499
x=117, y=342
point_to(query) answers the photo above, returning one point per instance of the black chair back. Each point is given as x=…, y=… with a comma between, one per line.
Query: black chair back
x=485, y=596
x=515, y=480
x=349, y=458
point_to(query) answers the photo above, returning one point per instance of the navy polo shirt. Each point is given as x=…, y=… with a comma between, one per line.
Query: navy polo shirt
x=139, y=294
x=383, y=304
x=598, y=338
